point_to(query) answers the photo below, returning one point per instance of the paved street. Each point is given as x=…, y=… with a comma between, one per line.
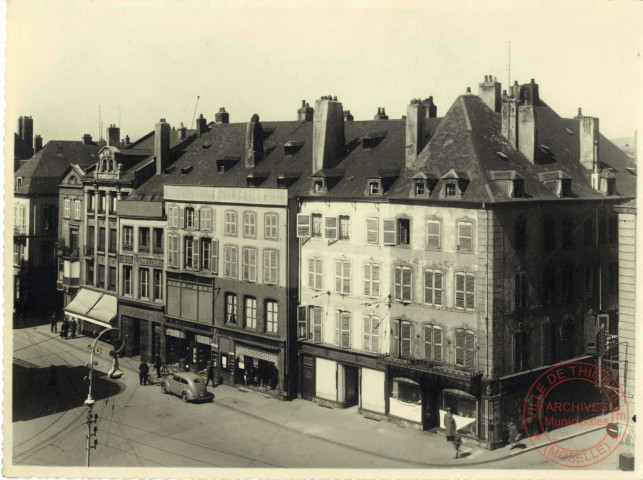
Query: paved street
x=138, y=426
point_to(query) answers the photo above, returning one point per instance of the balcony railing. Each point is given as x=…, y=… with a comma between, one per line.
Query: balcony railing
x=89, y=250
x=19, y=230
x=63, y=250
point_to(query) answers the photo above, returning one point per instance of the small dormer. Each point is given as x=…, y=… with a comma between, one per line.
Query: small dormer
x=18, y=182
x=292, y=147
x=422, y=185
x=254, y=179
x=318, y=186
x=558, y=181
x=372, y=139
x=226, y=163
x=107, y=166
x=510, y=182
x=608, y=182
x=285, y=180
x=374, y=187
x=454, y=184
x=324, y=180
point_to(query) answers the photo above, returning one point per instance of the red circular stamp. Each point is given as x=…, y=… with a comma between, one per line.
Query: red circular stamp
x=575, y=414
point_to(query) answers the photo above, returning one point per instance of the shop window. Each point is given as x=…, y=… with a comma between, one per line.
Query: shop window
x=521, y=290
x=372, y=230
x=464, y=348
x=343, y=277
x=231, y=223
x=465, y=291
x=249, y=225
x=128, y=238
x=270, y=267
x=272, y=316
x=433, y=343
x=464, y=405
x=521, y=351
x=433, y=287
x=230, y=261
x=230, y=308
x=250, y=312
x=344, y=227
x=144, y=275
x=371, y=280
x=401, y=339
x=465, y=236
x=249, y=264
x=315, y=273
x=271, y=223
x=403, y=283
x=316, y=324
x=343, y=329
x=406, y=391
x=433, y=234
x=158, y=285
x=189, y=217
x=371, y=333
x=127, y=280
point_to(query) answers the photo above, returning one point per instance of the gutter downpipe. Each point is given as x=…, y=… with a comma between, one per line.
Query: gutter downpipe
x=486, y=301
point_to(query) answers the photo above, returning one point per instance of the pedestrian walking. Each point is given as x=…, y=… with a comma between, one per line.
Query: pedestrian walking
x=512, y=428
x=209, y=374
x=64, y=328
x=450, y=430
x=157, y=364
x=54, y=323
x=73, y=325
x=143, y=371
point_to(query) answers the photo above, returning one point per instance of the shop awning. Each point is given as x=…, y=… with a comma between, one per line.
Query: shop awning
x=95, y=307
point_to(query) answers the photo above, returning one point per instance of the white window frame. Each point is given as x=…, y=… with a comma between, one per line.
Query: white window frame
x=464, y=293
x=372, y=282
x=272, y=316
x=127, y=283
x=433, y=289
x=158, y=285
x=373, y=231
x=188, y=251
x=249, y=264
x=462, y=349
x=128, y=237
x=316, y=324
x=464, y=237
x=316, y=225
x=430, y=235
x=271, y=226
x=249, y=312
x=343, y=227
x=67, y=208
x=206, y=253
x=430, y=329
x=315, y=273
x=343, y=329
x=249, y=224
x=343, y=277
x=173, y=216
x=231, y=261
x=206, y=214
x=173, y=250
x=401, y=286
x=270, y=266
x=144, y=282
x=230, y=223
x=371, y=337
x=77, y=209
x=231, y=308
x=189, y=217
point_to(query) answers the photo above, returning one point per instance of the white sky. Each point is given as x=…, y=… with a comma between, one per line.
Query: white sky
x=152, y=59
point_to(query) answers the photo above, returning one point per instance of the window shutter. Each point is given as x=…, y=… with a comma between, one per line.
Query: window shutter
x=302, y=322
x=303, y=226
x=346, y=331
x=375, y=280
x=317, y=324
x=469, y=346
x=319, y=278
x=347, y=278
x=214, y=265
x=437, y=288
x=406, y=284
x=197, y=216
x=459, y=290
x=367, y=280
x=433, y=234
x=195, y=254
x=245, y=264
x=396, y=339
x=437, y=344
x=375, y=334
x=389, y=231
x=428, y=343
x=182, y=217
x=470, y=294
x=459, y=347
x=337, y=328
x=338, y=276
x=405, y=333
x=311, y=273
x=330, y=231
x=203, y=222
x=428, y=286
x=398, y=283
x=372, y=231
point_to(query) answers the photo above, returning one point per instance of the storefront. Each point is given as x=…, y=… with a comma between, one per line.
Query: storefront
x=256, y=367
x=93, y=311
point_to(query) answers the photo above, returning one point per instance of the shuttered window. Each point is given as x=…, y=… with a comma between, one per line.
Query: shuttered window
x=230, y=261
x=271, y=226
x=206, y=254
x=330, y=228
x=249, y=264
x=270, y=267
x=433, y=287
x=403, y=283
x=343, y=277
x=316, y=225
x=343, y=329
x=433, y=343
x=371, y=280
x=302, y=322
x=249, y=224
x=214, y=265
x=231, y=223
x=344, y=227
x=315, y=273
x=67, y=208
x=401, y=339
x=372, y=230
x=433, y=238
x=188, y=250
x=371, y=334
x=206, y=219
x=173, y=214
x=196, y=258
x=303, y=226
x=189, y=218
x=464, y=348
x=389, y=231
x=173, y=251
x=465, y=236
x=317, y=324
x=465, y=290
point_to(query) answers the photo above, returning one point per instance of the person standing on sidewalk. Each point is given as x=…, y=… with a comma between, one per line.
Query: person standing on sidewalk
x=143, y=370
x=54, y=323
x=209, y=374
x=73, y=327
x=450, y=430
x=157, y=364
x=513, y=434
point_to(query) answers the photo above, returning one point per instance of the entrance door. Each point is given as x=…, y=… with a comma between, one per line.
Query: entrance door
x=351, y=378
x=308, y=379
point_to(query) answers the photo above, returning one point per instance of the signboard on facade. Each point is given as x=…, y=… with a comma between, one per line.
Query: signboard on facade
x=125, y=259
x=204, y=339
x=150, y=262
x=175, y=333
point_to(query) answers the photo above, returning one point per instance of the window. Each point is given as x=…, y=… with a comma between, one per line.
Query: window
x=344, y=227
x=464, y=348
x=112, y=279
x=406, y=391
x=612, y=277
x=173, y=251
x=371, y=280
x=316, y=225
x=433, y=287
x=214, y=265
x=403, y=283
x=127, y=280
x=330, y=228
x=403, y=231
x=343, y=329
x=420, y=188
x=230, y=261
x=249, y=225
x=101, y=239
x=465, y=236
x=91, y=241
x=521, y=351
x=144, y=239
x=249, y=264
x=144, y=273
x=521, y=290
x=520, y=235
x=389, y=231
x=372, y=230
x=317, y=330
x=272, y=316
x=250, y=313
x=189, y=217
x=77, y=208
x=302, y=322
x=433, y=237
x=465, y=290
x=101, y=206
x=270, y=226
x=303, y=226
x=567, y=282
x=401, y=339
x=73, y=238
x=90, y=272
x=371, y=334
x=188, y=250
x=206, y=219
x=231, y=223
x=158, y=285
x=91, y=202
x=270, y=267
x=18, y=252
x=343, y=277
x=568, y=234
x=206, y=254
x=66, y=208
x=374, y=187
x=549, y=234
x=450, y=190
x=158, y=241
x=612, y=230
x=588, y=228
x=230, y=308
x=315, y=274
x=318, y=186
x=46, y=217
x=113, y=236
x=112, y=204
x=550, y=285
x=433, y=343
x=173, y=216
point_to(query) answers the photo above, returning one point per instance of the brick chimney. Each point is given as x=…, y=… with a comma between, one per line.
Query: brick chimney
x=201, y=126
x=37, y=144
x=489, y=93
x=348, y=117
x=127, y=140
x=162, y=145
x=305, y=113
x=87, y=139
x=222, y=116
x=415, y=120
x=430, y=107
x=588, y=134
x=254, y=142
x=529, y=93
x=114, y=136
x=328, y=133
x=381, y=114
x=527, y=134
x=183, y=132
x=510, y=118
x=25, y=130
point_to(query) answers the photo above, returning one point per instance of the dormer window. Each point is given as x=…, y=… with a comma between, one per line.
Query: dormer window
x=420, y=188
x=608, y=186
x=318, y=186
x=558, y=181
x=292, y=147
x=450, y=189
x=454, y=184
x=517, y=188
x=374, y=187
x=18, y=182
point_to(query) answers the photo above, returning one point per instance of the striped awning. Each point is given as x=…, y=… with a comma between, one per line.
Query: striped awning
x=254, y=353
x=95, y=307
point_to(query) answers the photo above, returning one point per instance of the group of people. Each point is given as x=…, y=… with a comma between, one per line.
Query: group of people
x=67, y=327
x=144, y=370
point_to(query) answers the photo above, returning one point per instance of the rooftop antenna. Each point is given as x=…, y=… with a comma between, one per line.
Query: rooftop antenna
x=195, y=106
x=509, y=66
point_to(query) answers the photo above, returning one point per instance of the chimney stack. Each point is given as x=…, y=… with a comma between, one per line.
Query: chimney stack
x=588, y=136
x=415, y=121
x=510, y=119
x=114, y=136
x=25, y=130
x=162, y=145
x=222, y=116
x=305, y=113
x=328, y=133
x=87, y=139
x=348, y=117
x=527, y=134
x=254, y=142
x=183, y=132
x=381, y=114
x=489, y=93
x=201, y=126
x=127, y=140
x=430, y=107
x=37, y=144
x=529, y=93
x=580, y=113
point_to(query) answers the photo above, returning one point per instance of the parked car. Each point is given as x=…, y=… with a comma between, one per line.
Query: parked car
x=187, y=385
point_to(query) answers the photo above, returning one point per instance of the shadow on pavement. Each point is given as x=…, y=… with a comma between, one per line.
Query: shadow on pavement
x=39, y=391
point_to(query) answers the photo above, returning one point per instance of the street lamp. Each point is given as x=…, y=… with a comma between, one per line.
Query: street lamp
x=114, y=372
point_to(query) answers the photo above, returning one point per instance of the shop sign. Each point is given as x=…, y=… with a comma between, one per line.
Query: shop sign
x=175, y=333
x=150, y=262
x=204, y=339
x=125, y=259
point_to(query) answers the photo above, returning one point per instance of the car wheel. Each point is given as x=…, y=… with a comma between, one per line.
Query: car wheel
x=184, y=396
x=164, y=387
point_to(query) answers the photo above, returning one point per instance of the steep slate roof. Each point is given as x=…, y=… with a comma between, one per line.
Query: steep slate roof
x=42, y=173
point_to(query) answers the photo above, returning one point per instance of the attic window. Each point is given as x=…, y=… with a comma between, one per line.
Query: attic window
x=318, y=186
x=205, y=146
x=569, y=131
x=517, y=188
x=374, y=187
x=18, y=182
x=290, y=148
x=419, y=188
x=608, y=186
x=372, y=139
x=502, y=156
x=186, y=170
x=450, y=189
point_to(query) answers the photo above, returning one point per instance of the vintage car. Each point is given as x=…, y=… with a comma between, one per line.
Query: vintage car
x=187, y=385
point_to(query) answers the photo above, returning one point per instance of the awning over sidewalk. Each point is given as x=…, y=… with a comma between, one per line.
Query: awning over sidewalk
x=96, y=307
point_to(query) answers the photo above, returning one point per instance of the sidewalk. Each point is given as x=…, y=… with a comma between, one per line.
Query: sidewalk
x=347, y=427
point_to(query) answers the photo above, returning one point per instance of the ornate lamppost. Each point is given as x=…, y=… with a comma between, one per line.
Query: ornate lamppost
x=114, y=372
